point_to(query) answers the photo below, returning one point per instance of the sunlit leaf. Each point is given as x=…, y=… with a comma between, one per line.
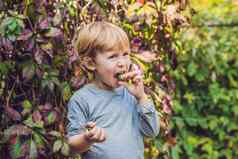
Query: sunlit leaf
x=65, y=149
x=33, y=149
x=57, y=145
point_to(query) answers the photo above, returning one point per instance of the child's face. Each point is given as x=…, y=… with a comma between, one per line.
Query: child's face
x=108, y=64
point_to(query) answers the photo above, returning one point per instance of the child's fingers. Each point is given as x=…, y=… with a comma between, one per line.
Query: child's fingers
x=129, y=75
x=137, y=79
x=97, y=134
x=122, y=83
x=103, y=135
x=89, y=134
x=90, y=125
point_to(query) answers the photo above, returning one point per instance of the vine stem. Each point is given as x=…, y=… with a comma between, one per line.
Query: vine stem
x=10, y=94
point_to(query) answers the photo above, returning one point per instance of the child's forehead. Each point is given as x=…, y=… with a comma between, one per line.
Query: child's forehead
x=117, y=50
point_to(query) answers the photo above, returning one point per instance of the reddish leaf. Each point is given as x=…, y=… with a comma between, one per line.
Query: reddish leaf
x=47, y=48
x=147, y=56
x=15, y=130
x=173, y=58
x=25, y=35
x=77, y=82
x=25, y=149
x=53, y=32
x=38, y=56
x=36, y=116
x=39, y=73
x=171, y=140
x=7, y=44
x=135, y=44
x=29, y=45
x=72, y=53
x=12, y=113
x=44, y=24
x=166, y=104
x=13, y=140
x=141, y=1
x=45, y=108
x=28, y=72
x=160, y=68
x=164, y=78
x=15, y=149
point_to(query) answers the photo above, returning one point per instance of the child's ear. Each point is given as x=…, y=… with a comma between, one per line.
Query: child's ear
x=89, y=63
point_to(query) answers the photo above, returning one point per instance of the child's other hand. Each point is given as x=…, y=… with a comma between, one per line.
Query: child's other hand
x=94, y=133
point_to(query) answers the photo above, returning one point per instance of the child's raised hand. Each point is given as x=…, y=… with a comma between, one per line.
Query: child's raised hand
x=136, y=86
x=94, y=133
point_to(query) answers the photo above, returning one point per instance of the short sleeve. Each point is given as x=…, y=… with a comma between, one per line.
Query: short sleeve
x=77, y=116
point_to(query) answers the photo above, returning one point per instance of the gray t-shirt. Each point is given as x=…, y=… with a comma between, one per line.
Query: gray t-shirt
x=124, y=120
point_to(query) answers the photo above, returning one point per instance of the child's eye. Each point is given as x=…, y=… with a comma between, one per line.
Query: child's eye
x=125, y=54
x=112, y=56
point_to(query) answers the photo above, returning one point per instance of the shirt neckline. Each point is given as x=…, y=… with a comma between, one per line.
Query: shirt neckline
x=98, y=90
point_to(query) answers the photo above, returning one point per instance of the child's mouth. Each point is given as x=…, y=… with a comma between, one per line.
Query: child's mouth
x=118, y=76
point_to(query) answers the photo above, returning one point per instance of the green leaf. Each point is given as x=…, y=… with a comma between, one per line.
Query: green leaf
x=16, y=149
x=57, y=145
x=55, y=133
x=175, y=152
x=51, y=117
x=235, y=109
x=38, y=140
x=53, y=32
x=33, y=150
x=66, y=92
x=27, y=104
x=5, y=67
x=65, y=149
x=192, y=69
x=29, y=121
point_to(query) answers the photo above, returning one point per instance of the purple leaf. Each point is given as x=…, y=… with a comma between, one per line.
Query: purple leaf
x=53, y=32
x=38, y=56
x=173, y=58
x=36, y=116
x=135, y=44
x=160, y=68
x=7, y=44
x=77, y=82
x=73, y=56
x=44, y=24
x=12, y=113
x=167, y=104
x=47, y=48
x=16, y=130
x=45, y=108
x=39, y=73
x=25, y=35
x=24, y=150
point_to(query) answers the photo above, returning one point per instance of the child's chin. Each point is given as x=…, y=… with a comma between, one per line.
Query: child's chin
x=117, y=85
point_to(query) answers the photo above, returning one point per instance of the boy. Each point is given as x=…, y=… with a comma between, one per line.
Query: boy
x=109, y=117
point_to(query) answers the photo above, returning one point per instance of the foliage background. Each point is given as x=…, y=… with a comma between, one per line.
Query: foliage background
x=177, y=44
x=206, y=97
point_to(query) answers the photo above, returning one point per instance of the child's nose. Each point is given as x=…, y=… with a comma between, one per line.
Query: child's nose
x=123, y=63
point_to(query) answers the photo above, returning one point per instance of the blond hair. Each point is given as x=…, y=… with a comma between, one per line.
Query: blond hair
x=98, y=37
